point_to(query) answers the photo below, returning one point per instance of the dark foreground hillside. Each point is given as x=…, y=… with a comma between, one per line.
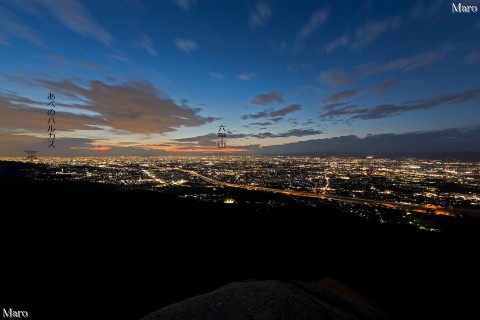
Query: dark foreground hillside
x=79, y=250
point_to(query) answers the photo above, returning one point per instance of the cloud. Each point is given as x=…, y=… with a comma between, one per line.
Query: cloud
x=473, y=57
x=246, y=76
x=342, y=95
x=416, y=61
x=284, y=111
x=261, y=124
x=422, y=11
x=340, y=109
x=296, y=68
x=289, y=133
x=387, y=85
x=119, y=57
x=13, y=145
x=387, y=110
x=299, y=133
x=341, y=41
x=371, y=30
x=205, y=137
x=450, y=140
x=74, y=16
x=350, y=93
x=27, y=116
x=211, y=137
x=260, y=14
x=267, y=98
x=275, y=114
x=146, y=43
x=186, y=45
x=3, y=39
x=135, y=106
x=317, y=19
x=337, y=77
x=364, y=34
x=185, y=4
x=261, y=114
x=11, y=26
x=135, y=4
x=215, y=75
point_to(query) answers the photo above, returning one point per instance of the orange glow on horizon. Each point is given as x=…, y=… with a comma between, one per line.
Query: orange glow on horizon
x=194, y=149
x=95, y=148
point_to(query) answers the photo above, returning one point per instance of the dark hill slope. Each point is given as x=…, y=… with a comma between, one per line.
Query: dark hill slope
x=88, y=249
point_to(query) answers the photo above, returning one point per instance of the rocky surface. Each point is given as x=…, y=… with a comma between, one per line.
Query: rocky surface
x=324, y=299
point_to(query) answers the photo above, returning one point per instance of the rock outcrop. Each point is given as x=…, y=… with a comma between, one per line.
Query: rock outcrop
x=324, y=299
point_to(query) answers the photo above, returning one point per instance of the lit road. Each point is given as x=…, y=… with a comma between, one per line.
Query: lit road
x=388, y=204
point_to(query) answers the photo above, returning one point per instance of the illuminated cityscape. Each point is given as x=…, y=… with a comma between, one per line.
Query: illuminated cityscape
x=404, y=190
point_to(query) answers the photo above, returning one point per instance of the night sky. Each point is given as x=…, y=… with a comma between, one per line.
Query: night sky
x=158, y=77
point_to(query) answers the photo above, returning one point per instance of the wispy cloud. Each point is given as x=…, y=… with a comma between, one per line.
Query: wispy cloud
x=342, y=41
x=350, y=93
x=186, y=45
x=343, y=95
x=386, y=85
x=210, y=137
x=185, y=4
x=299, y=133
x=135, y=4
x=364, y=34
x=424, y=11
x=337, y=77
x=416, y=61
x=119, y=57
x=260, y=14
x=371, y=30
x=146, y=43
x=317, y=19
x=298, y=67
x=246, y=76
x=215, y=75
x=261, y=124
x=289, y=133
x=74, y=16
x=387, y=110
x=12, y=27
x=341, y=109
x=284, y=111
x=473, y=57
x=267, y=98
x=3, y=39
x=276, y=115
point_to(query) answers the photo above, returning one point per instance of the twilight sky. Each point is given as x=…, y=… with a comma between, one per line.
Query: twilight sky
x=138, y=77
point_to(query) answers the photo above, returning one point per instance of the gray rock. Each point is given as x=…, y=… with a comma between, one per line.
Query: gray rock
x=324, y=299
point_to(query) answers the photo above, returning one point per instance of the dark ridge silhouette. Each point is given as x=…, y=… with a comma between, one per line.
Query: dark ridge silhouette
x=440, y=155
x=98, y=251
x=324, y=299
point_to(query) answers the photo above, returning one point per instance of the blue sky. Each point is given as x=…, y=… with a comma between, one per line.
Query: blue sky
x=158, y=77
